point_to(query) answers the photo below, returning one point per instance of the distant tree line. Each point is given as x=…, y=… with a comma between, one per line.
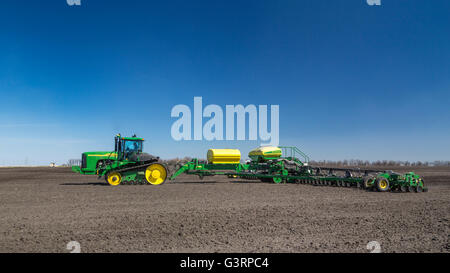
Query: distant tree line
x=73, y=162
x=357, y=162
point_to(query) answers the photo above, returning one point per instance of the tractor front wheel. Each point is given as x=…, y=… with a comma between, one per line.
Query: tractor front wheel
x=114, y=178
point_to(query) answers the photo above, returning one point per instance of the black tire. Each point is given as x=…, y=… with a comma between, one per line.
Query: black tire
x=382, y=184
x=366, y=182
x=419, y=189
x=403, y=188
x=410, y=188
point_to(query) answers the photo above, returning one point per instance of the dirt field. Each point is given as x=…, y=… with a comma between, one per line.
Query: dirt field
x=42, y=209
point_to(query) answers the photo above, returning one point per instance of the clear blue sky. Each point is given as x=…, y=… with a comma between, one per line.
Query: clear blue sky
x=352, y=80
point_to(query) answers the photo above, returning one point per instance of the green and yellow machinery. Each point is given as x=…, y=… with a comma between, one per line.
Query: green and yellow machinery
x=127, y=164
x=288, y=164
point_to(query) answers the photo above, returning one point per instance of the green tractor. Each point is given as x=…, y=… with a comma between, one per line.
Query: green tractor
x=127, y=164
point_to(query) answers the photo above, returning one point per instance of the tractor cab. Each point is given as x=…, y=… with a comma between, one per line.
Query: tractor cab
x=127, y=147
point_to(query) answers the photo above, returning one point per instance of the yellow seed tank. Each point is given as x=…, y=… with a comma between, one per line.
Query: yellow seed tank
x=224, y=156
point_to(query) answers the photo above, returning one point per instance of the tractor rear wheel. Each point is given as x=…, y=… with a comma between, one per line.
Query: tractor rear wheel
x=156, y=174
x=382, y=184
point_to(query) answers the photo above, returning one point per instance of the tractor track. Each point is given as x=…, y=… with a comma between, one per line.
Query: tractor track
x=42, y=209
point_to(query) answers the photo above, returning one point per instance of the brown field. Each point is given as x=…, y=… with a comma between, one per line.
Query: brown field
x=42, y=209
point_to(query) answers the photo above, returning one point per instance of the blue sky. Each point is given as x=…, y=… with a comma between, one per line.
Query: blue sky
x=352, y=80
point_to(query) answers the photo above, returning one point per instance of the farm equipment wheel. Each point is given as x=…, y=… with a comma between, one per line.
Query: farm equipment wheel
x=156, y=174
x=277, y=180
x=410, y=188
x=366, y=182
x=114, y=178
x=402, y=188
x=382, y=184
x=419, y=189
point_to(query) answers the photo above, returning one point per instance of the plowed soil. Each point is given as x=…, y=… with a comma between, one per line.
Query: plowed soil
x=42, y=209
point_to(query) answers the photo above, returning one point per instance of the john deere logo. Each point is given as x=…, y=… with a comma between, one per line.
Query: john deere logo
x=74, y=2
